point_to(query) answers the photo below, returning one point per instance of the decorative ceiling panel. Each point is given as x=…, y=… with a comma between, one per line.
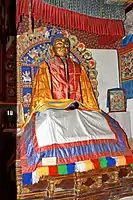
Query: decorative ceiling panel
x=97, y=8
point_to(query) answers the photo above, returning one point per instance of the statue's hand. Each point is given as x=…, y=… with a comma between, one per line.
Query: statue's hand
x=73, y=106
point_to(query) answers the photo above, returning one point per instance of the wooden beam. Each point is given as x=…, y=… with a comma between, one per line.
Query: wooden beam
x=128, y=7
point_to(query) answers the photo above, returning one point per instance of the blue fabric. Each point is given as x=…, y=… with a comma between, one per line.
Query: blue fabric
x=27, y=179
x=71, y=168
x=33, y=157
x=110, y=161
x=127, y=40
x=128, y=87
x=117, y=128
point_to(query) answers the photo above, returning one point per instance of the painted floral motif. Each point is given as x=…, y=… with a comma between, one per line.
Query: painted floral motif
x=86, y=54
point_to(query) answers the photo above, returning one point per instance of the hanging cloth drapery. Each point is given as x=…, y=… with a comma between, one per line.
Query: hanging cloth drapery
x=69, y=19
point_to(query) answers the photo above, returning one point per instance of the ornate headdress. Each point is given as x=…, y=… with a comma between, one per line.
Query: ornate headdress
x=54, y=37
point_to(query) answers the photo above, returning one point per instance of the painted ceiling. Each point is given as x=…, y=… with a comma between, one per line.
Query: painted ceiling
x=111, y=9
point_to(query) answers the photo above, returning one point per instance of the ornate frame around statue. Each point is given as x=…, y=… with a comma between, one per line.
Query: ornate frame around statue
x=33, y=48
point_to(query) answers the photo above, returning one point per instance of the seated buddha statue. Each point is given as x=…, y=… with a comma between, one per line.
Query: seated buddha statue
x=65, y=122
x=61, y=82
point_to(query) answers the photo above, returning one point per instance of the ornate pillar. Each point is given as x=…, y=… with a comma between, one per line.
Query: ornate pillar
x=10, y=65
x=2, y=49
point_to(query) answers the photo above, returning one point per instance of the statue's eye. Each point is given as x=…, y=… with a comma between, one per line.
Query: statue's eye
x=59, y=44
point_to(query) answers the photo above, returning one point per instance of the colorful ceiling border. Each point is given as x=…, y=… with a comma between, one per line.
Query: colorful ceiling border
x=93, y=8
x=69, y=19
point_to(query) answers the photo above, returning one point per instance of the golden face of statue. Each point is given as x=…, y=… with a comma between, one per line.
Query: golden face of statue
x=61, y=47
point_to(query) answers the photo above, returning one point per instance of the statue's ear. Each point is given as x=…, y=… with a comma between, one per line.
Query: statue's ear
x=51, y=51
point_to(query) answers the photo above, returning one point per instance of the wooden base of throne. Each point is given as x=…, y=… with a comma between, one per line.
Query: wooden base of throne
x=100, y=184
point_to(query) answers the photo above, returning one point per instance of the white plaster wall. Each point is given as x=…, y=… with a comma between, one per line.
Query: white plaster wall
x=108, y=74
x=108, y=77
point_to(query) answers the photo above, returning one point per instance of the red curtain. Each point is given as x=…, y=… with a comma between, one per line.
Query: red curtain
x=69, y=19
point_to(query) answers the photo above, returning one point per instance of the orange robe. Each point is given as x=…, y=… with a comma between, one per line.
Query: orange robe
x=50, y=86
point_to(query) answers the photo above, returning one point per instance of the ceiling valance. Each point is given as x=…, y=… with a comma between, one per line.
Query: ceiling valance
x=68, y=19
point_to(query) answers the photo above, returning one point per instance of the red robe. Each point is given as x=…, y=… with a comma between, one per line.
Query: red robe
x=65, y=86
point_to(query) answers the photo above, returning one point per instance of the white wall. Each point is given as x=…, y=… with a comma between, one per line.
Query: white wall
x=108, y=74
x=108, y=77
